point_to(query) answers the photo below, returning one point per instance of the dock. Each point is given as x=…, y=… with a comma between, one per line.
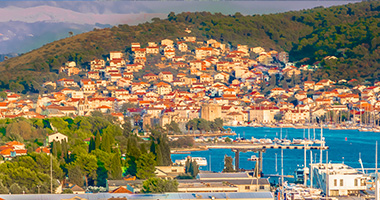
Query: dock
x=258, y=147
x=261, y=148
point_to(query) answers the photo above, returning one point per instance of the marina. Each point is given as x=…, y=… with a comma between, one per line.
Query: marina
x=344, y=146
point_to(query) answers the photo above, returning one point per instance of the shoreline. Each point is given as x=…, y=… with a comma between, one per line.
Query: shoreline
x=197, y=135
x=187, y=150
x=328, y=127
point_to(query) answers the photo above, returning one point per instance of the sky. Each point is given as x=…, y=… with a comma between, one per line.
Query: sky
x=19, y=10
x=26, y=25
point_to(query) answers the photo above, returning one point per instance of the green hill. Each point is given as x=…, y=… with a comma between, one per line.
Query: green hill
x=349, y=32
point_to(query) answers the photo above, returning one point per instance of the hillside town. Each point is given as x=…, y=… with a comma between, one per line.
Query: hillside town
x=179, y=80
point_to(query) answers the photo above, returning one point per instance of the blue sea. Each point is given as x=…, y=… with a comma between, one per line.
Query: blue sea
x=344, y=146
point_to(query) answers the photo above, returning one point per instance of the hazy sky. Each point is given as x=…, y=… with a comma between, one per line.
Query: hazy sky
x=164, y=7
x=26, y=25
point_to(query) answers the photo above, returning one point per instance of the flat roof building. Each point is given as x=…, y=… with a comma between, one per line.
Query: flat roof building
x=337, y=179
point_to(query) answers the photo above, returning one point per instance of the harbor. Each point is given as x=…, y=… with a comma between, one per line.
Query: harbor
x=344, y=146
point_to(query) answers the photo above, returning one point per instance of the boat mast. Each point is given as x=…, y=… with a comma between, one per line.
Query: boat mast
x=376, y=177
x=275, y=161
x=311, y=169
x=282, y=173
x=304, y=133
x=320, y=159
x=304, y=165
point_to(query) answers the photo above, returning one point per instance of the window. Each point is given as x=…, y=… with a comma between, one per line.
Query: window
x=335, y=182
x=356, y=182
x=247, y=187
x=341, y=182
x=174, y=170
x=262, y=187
x=362, y=183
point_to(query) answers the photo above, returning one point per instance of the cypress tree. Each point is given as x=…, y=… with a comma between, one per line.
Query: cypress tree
x=106, y=143
x=54, y=148
x=3, y=189
x=159, y=158
x=194, y=168
x=91, y=147
x=64, y=149
x=165, y=150
x=228, y=166
x=59, y=149
x=116, y=171
x=97, y=140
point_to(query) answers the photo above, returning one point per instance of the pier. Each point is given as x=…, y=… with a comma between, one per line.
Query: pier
x=260, y=148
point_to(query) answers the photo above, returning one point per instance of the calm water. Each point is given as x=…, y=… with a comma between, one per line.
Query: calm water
x=340, y=150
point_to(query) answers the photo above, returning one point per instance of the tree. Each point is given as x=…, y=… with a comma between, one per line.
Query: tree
x=158, y=185
x=146, y=166
x=97, y=140
x=64, y=149
x=217, y=125
x=106, y=142
x=91, y=146
x=15, y=189
x=203, y=125
x=191, y=167
x=160, y=146
x=55, y=150
x=20, y=130
x=278, y=117
x=88, y=165
x=76, y=176
x=116, y=171
x=67, y=191
x=228, y=167
x=191, y=125
x=174, y=127
x=3, y=189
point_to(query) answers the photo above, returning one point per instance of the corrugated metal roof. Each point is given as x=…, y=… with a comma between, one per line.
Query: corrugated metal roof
x=222, y=175
x=250, y=195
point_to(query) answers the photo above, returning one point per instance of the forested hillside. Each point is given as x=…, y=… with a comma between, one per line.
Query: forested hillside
x=98, y=149
x=349, y=32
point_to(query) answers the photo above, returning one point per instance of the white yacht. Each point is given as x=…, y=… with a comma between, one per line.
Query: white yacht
x=201, y=161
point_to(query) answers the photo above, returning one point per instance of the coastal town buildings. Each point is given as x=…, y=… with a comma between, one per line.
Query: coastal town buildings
x=210, y=81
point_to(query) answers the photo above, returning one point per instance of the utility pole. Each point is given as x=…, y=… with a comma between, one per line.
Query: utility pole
x=51, y=173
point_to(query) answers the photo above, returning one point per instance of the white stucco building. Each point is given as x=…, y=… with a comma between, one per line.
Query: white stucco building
x=337, y=179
